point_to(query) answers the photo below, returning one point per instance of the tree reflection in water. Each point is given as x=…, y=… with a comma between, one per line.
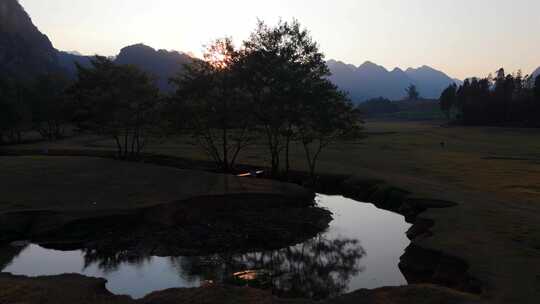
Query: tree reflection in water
x=8, y=253
x=318, y=269
x=109, y=260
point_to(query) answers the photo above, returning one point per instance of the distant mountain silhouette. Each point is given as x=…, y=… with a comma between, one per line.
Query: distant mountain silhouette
x=430, y=82
x=67, y=61
x=160, y=63
x=24, y=50
x=370, y=80
x=536, y=73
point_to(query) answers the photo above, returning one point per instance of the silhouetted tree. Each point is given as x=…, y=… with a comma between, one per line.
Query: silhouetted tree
x=327, y=116
x=215, y=104
x=447, y=100
x=412, y=92
x=118, y=101
x=15, y=113
x=50, y=105
x=280, y=66
x=504, y=99
x=275, y=85
x=377, y=106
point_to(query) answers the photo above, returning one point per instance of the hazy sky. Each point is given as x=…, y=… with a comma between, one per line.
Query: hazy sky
x=461, y=37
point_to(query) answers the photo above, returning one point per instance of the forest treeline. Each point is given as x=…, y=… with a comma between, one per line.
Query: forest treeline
x=505, y=99
x=274, y=88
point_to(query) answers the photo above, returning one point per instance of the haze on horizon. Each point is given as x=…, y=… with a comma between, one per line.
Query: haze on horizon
x=462, y=38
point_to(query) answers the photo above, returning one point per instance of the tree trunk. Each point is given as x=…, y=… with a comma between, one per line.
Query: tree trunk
x=126, y=135
x=287, y=152
x=225, y=150
x=118, y=147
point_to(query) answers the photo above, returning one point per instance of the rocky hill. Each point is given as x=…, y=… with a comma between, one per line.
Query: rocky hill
x=160, y=63
x=24, y=50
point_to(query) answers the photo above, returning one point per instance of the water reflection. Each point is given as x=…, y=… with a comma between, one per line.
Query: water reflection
x=110, y=261
x=361, y=249
x=8, y=253
x=318, y=269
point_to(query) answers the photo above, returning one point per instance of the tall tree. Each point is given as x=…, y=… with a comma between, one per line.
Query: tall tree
x=15, y=114
x=447, y=100
x=215, y=104
x=280, y=63
x=327, y=117
x=50, y=106
x=118, y=101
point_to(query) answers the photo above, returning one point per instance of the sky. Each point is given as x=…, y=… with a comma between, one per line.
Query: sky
x=463, y=38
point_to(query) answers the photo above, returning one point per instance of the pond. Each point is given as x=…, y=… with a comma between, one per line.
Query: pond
x=361, y=249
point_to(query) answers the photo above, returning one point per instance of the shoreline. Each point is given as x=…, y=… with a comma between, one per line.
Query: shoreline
x=419, y=265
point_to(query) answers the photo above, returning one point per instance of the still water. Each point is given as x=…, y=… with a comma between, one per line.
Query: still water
x=361, y=249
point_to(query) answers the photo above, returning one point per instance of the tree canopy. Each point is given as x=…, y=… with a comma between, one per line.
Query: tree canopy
x=275, y=85
x=504, y=99
x=116, y=100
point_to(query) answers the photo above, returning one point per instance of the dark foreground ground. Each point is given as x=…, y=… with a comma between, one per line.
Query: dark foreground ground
x=493, y=174
x=68, y=289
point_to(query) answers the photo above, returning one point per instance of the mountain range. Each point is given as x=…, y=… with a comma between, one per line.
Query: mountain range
x=26, y=52
x=370, y=80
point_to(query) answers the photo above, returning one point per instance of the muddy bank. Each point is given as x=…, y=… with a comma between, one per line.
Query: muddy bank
x=67, y=289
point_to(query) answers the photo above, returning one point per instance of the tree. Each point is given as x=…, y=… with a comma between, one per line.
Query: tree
x=50, y=106
x=15, y=114
x=447, y=99
x=118, y=101
x=328, y=116
x=279, y=66
x=7, y=115
x=503, y=99
x=210, y=95
x=412, y=92
x=378, y=106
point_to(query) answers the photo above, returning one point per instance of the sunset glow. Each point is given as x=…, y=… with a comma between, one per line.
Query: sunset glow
x=463, y=38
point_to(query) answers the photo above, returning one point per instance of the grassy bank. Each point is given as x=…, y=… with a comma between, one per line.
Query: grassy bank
x=112, y=206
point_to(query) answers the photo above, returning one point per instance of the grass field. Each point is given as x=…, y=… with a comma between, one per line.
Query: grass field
x=494, y=173
x=86, y=183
